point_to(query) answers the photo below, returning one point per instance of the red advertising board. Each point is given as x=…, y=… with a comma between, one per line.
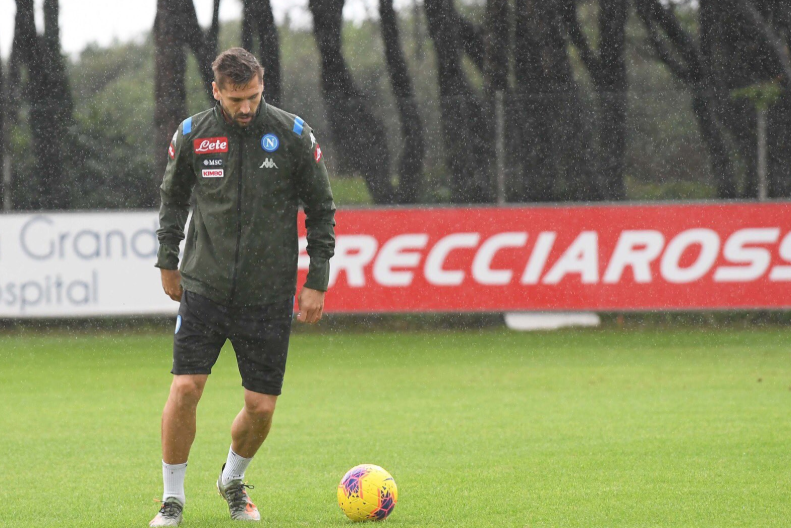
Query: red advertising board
x=610, y=257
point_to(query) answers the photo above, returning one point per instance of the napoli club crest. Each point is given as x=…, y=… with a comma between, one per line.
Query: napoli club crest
x=270, y=143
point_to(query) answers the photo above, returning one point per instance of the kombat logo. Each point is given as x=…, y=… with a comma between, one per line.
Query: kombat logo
x=212, y=162
x=269, y=164
x=210, y=145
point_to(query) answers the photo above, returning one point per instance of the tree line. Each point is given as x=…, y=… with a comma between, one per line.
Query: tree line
x=557, y=71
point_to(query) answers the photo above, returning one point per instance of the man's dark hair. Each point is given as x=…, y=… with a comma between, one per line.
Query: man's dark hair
x=236, y=66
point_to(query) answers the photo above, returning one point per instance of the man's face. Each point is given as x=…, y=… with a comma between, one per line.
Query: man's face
x=240, y=102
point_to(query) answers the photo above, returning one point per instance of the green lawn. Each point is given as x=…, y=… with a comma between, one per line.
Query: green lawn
x=601, y=428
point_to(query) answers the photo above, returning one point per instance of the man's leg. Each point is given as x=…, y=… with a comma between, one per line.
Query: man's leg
x=200, y=334
x=178, y=433
x=248, y=432
x=260, y=340
x=178, y=418
x=252, y=424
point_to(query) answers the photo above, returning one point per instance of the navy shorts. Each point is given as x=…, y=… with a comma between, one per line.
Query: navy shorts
x=259, y=335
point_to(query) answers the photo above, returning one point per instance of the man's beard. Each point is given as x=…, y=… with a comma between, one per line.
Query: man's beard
x=235, y=117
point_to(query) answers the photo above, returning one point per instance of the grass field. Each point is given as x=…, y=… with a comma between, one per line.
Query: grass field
x=602, y=428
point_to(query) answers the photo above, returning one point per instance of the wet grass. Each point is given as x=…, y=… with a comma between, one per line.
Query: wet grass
x=598, y=428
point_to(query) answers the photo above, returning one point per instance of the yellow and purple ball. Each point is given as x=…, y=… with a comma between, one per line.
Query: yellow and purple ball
x=367, y=493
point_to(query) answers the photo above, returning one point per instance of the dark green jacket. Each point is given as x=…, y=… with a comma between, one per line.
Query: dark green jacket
x=247, y=183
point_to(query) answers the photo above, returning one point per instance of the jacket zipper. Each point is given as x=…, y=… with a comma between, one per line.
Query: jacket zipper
x=238, y=221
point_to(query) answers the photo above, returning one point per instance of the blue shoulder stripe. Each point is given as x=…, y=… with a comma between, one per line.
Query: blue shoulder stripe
x=298, y=125
x=187, y=128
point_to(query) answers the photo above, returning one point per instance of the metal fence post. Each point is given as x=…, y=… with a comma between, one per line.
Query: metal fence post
x=499, y=120
x=763, y=188
x=7, y=182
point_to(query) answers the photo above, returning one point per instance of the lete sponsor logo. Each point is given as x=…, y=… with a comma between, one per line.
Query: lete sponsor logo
x=210, y=145
x=213, y=173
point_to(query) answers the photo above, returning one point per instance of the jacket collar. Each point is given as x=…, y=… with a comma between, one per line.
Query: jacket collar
x=255, y=126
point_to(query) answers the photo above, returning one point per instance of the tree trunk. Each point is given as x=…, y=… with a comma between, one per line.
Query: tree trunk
x=556, y=144
x=607, y=69
x=496, y=47
x=495, y=81
x=779, y=130
x=358, y=135
x=473, y=41
x=12, y=100
x=410, y=165
x=170, y=94
x=203, y=44
x=466, y=132
x=4, y=192
x=522, y=146
x=764, y=30
x=50, y=105
x=26, y=44
x=258, y=21
x=58, y=108
x=770, y=19
x=779, y=139
x=611, y=87
x=726, y=49
x=687, y=63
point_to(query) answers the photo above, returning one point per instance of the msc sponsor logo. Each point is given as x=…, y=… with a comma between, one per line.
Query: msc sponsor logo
x=212, y=162
x=212, y=173
x=210, y=145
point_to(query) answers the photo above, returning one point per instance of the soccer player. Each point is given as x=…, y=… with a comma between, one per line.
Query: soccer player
x=247, y=165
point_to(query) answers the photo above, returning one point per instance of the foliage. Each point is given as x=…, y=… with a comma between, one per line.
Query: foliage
x=670, y=190
x=351, y=191
x=762, y=95
x=111, y=155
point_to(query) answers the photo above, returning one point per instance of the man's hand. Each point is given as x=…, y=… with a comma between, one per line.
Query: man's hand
x=171, y=283
x=311, y=305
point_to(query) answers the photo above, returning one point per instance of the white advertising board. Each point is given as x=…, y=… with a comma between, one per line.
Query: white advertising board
x=80, y=264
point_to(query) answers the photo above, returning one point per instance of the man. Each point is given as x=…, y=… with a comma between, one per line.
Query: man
x=247, y=164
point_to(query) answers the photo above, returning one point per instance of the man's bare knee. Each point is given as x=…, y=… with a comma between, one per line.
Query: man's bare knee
x=186, y=390
x=260, y=406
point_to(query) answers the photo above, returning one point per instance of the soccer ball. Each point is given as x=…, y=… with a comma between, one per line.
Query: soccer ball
x=367, y=493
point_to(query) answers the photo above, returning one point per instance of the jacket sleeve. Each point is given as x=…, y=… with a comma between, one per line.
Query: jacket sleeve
x=314, y=191
x=175, y=192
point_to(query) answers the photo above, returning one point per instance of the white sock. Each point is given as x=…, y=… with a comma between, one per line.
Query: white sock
x=173, y=477
x=235, y=467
